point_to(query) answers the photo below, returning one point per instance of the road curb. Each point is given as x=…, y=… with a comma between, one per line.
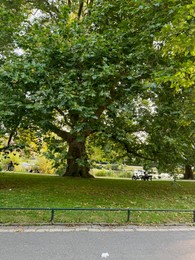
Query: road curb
x=93, y=228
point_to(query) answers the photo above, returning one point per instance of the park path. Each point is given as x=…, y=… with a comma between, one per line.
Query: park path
x=95, y=242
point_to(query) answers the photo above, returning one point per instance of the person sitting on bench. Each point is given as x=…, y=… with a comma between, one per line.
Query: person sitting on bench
x=10, y=166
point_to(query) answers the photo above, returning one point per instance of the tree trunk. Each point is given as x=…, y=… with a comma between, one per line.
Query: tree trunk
x=77, y=161
x=188, y=175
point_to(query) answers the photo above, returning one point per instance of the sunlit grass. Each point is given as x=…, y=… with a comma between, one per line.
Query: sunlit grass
x=39, y=191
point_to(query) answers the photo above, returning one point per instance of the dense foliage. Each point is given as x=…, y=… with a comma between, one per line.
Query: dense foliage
x=83, y=69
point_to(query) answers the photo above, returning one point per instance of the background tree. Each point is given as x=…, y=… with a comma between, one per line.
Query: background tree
x=177, y=39
x=170, y=129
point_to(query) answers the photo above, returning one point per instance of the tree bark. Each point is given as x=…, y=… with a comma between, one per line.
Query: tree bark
x=188, y=175
x=77, y=160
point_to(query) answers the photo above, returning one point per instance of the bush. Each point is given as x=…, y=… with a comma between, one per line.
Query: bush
x=103, y=173
x=115, y=167
x=126, y=174
x=43, y=165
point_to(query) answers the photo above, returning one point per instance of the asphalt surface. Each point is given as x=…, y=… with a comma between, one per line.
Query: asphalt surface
x=97, y=242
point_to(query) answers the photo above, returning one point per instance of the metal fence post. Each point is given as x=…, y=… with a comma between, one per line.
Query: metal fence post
x=128, y=215
x=52, y=215
x=194, y=216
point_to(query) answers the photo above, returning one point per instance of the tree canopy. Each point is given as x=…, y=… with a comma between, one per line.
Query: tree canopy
x=80, y=68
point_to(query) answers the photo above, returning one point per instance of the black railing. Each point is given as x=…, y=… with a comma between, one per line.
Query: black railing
x=127, y=210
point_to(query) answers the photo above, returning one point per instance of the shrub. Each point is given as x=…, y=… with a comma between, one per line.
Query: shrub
x=126, y=174
x=103, y=173
x=43, y=165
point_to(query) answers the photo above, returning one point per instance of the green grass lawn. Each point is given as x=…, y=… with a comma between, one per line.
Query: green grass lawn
x=35, y=191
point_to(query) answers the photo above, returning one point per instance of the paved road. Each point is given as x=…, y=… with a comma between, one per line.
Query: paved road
x=91, y=243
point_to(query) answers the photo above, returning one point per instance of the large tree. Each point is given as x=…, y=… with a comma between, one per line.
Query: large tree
x=81, y=65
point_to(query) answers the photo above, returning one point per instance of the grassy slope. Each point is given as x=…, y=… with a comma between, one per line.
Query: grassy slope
x=26, y=190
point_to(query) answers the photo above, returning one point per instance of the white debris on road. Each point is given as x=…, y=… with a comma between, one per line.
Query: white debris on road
x=104, y=255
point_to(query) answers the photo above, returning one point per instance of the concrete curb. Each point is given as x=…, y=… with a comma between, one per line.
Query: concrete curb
x=93, y=228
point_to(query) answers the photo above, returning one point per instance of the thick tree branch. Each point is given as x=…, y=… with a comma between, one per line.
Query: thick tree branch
x=61, y=112
x=69, y=3
x=80, y=8
x=129, y=150
x=61, y=133
x=108, y=102
x=100, y=110
x=6, y=147
x=10, y=137
x=135, y=153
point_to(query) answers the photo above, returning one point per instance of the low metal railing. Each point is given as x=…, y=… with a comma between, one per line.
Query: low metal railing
x=127, y=210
